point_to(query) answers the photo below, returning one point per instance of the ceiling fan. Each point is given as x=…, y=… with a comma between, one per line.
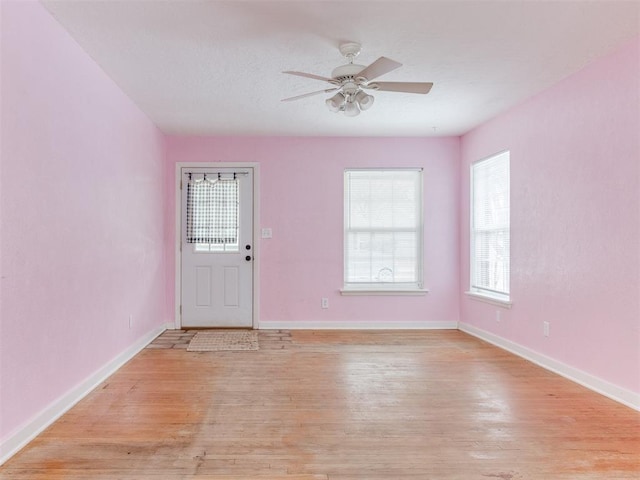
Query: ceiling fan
x=351, y=81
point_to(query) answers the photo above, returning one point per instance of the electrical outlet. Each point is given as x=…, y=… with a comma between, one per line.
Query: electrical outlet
x=498, y=315
x=545, y=328
x=324, y=303
x=267, y=233
x=130, y=320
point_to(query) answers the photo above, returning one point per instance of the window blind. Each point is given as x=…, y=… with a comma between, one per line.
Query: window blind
x=383, y=228
x=490, y=229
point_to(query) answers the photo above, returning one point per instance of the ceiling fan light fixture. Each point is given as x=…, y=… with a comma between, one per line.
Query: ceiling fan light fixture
x=335, y=103
x=365, y=101
x=350, y=80
x=351, y=109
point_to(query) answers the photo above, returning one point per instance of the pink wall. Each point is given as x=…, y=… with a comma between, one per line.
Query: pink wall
x=575, y=203
x=82, y=242
x=302, y=201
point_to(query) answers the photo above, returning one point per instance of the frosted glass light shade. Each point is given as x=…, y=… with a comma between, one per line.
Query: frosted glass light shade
x=364, y=100
x=351, y=109
x=334, y=103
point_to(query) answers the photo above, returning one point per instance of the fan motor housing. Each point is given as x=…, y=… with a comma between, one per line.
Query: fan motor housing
x=344, y=72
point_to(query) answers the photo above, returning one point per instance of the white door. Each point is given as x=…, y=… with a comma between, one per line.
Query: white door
x=217, y=247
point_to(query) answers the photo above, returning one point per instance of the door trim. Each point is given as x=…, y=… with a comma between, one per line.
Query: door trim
x=255, y=241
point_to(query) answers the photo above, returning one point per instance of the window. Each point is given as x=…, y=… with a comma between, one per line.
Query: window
x=490, y=227
x=212, y=214
x=383, y=230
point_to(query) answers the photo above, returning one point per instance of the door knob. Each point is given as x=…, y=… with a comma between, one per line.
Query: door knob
x=248, y=247
x=248, y=258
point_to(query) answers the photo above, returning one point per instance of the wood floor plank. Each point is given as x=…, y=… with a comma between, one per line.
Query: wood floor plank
x=337, y=405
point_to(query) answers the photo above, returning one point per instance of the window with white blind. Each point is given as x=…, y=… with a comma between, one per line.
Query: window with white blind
x=490, y=236
x=383, y=230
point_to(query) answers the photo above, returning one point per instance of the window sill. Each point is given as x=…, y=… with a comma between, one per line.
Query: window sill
x=487, y=299
x=372, y=292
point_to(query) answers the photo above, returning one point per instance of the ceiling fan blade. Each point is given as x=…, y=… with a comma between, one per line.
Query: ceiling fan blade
x=308, y=75
x=406, y=87
x=297, y=97
x=379, y=67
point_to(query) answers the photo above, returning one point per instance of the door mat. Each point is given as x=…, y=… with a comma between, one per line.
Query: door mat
x=224, y=340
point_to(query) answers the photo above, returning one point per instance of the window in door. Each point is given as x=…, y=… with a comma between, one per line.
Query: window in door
x=213, y=213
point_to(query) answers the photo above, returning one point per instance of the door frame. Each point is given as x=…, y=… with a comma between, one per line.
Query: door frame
x=255, y=314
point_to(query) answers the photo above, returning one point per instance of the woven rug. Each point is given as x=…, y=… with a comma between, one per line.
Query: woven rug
x=224, y=340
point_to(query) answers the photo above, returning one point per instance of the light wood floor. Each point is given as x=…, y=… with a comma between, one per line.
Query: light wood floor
x=337, y=406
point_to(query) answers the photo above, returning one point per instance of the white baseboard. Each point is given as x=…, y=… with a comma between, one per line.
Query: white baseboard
x=614, y=392
x=354, y=325
x=55, y=410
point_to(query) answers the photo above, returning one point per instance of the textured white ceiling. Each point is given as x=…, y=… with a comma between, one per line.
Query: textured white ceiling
x=214, y=67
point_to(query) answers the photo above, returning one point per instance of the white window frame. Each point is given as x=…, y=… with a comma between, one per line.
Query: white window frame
x=484, y=293
x=387, y=288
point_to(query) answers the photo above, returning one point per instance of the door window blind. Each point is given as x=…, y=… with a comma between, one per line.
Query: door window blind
x=490, y=229
x=383, y=228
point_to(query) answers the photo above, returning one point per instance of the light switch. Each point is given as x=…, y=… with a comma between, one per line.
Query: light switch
x=267, y=233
